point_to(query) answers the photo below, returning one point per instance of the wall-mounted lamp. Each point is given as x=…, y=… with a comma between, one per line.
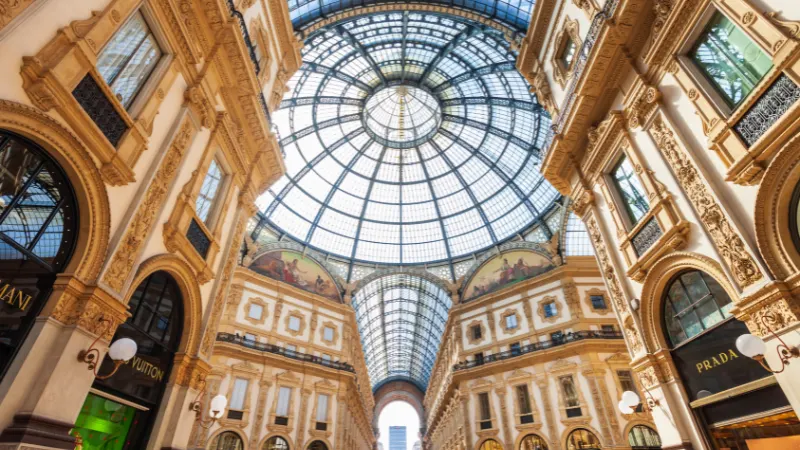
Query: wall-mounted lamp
x=215, y=411
x=120, y=352
x=630, y=400
x=754, y=347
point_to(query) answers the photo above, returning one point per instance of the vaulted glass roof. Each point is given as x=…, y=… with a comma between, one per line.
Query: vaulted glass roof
x=513, y=13
x=409, y=139
x=401, y=320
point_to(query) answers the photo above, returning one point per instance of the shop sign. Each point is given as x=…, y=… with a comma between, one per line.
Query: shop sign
x=711, y=363
x=141, y=365
x=14, y=297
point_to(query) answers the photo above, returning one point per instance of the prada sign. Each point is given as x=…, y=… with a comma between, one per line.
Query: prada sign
x=711, y=363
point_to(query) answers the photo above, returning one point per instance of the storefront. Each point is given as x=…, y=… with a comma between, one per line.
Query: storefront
x=739, y=404
x=38, y=223
x=119, y=412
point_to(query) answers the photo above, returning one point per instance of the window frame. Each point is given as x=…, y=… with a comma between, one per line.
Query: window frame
x=565, y=399
x=692, y=307
x=518, y=407
x=628, y=218
x=213, y=211
x=480, y=419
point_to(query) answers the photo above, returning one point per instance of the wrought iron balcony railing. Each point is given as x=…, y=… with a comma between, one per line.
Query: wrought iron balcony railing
x=537, y=346
x=293, y=354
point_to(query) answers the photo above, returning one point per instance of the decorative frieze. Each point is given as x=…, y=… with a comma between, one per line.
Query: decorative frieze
x=725, y=238
x=647, y=236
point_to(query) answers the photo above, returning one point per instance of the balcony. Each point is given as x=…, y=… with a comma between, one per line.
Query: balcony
x=274, y=349
x=537, y=346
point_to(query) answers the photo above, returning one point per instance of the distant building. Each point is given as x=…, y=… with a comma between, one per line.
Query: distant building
x=397, y=438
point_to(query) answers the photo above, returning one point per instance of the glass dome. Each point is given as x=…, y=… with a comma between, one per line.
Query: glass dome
x=409, y=139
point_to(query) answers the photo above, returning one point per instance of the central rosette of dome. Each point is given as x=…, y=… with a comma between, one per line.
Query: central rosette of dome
x=402, y=116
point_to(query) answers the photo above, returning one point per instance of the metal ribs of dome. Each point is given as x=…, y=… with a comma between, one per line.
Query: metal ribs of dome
x=470, y=186
x=515, y=14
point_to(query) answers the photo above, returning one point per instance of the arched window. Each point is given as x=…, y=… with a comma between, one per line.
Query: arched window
x=317, y=445
x=582, y=439
x=532, y=442
x=38, y=230
x=693, y=302
x=276, y=443
x=227, y=441
x=644, y=438
x=491, y=445
x=155, y=325
x=794, y=217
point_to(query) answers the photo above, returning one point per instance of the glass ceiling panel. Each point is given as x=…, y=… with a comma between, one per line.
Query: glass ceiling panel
x=513, y=13
x=401, y=321
x=410, y=139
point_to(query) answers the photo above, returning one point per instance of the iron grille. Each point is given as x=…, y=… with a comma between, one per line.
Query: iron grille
x=646, y=237
x=100, y=109
x=198, y=238
x=767, y=110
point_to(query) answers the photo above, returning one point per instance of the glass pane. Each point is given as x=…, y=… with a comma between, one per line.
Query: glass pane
x=255, y=312
x=729, y=59
x=114, y=57
x=208, y=191
x=568, y=54
x=677, y=294
x=484, y=404
x=691, y=324
x=709, y=313
x=136, y=71
x=103, y=424
x=17, y=165
x=239, y=391
x=695, y=285
x=630, y=190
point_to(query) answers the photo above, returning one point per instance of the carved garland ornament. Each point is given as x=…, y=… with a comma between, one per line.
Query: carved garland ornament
x=142, y=222
x=724, y=236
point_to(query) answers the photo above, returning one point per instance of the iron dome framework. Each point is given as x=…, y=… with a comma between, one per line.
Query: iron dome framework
x=467, y=185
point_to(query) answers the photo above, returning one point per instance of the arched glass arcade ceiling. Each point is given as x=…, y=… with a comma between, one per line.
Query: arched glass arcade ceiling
x=409, y=139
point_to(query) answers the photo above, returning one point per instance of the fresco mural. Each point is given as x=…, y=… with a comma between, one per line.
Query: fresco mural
x=298, y=270
x=504, y=270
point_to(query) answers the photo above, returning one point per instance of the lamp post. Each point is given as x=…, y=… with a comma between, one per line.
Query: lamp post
x=755, y=348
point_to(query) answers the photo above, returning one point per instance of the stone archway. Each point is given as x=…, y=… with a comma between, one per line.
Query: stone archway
x=402, y=391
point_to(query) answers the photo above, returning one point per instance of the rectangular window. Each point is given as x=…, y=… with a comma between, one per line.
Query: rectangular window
x=598, y=301
x=550, y=309
x=322, y=408
x=557, y=337
x=570, y=393
x=249, y=337
x=294, y=323
x=208, y=192
x=129, y=59
x=326, y=357
x=568, y=53
x=239, y=391
x=284, y=396
x=255, y=312
x=524, y=404
x=630, y=190
x=476, y=332
x=515, y=348
x=511, y=321
x=327, y=334
x=729, y=59
x=479, y=358
x=607, y=328
x=485, y=411
x=291, y=349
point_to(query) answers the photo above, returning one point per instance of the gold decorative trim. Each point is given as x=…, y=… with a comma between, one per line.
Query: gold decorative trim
x=264, y=311
x=540, y=309
x=751, y=386
x=569, y=32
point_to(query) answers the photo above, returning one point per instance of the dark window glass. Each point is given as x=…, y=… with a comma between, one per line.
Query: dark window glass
x=727, y=57
x=524, y=404
x=598, y=302
x=693, y=302
x=550, y=309
x=567, y=55
x=583, y=439
x=317, y=445
x=557, y=337
x=38, y=229
x=479, y=358
x=476, y=332
x=515, y=348
x=607, y=328
x=485, y=411
x=630, y=190
x=227, y=441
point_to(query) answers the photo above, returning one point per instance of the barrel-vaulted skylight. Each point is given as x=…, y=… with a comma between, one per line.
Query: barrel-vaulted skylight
x=410, y=138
